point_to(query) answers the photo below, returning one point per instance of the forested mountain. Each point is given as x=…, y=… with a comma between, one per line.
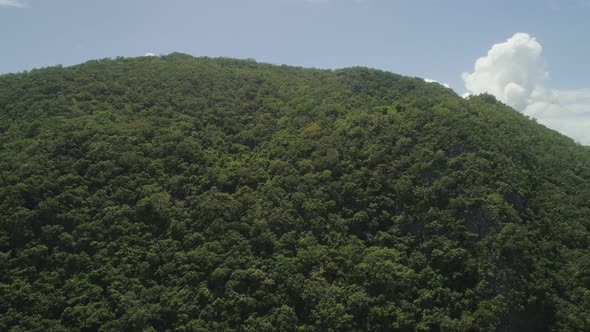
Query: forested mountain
x=196, y=194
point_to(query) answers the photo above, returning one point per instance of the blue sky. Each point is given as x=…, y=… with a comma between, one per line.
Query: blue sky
x=437, y=39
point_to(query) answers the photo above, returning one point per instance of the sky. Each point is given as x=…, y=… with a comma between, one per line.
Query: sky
x=532, y=55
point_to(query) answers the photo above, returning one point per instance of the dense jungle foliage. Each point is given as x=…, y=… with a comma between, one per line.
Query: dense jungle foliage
x=195, y=194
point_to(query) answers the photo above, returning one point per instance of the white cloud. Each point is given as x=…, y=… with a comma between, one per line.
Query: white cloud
x=567, y=111
x=515, y=72
x=510, y=71
x=429, y=80
x=13, y=3
x=150, y=54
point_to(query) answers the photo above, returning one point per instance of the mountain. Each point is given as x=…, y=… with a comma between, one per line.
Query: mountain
x=198, y=194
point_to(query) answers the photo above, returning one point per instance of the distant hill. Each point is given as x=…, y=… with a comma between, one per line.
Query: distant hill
x=196, y=194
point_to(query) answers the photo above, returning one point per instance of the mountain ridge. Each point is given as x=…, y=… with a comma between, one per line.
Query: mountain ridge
x=199, y=194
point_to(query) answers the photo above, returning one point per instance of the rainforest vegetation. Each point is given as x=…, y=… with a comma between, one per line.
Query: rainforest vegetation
x=176, y=193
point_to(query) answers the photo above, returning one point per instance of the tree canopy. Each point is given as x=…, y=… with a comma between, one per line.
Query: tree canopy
x=198, y=194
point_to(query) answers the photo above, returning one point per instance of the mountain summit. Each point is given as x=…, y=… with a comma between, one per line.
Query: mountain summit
x=196, y=194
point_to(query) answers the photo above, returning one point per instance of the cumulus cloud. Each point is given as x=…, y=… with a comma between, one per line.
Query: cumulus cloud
x=430, y=80
x=511, y=71
x=515, y=72
x=13, y=3
x=567, y=111
x=150, y=54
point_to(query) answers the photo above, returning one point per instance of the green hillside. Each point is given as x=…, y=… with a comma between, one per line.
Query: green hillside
x=195, y=194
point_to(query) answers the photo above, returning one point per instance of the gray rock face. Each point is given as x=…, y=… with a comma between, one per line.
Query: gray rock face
x=479, y=220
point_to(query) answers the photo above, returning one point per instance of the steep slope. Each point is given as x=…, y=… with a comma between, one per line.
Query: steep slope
x=216, y=194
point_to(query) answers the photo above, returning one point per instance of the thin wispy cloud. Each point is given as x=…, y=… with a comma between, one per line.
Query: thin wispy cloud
x=515, y=72
x=13, y=3
x=430, y=80
x=330, y=1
